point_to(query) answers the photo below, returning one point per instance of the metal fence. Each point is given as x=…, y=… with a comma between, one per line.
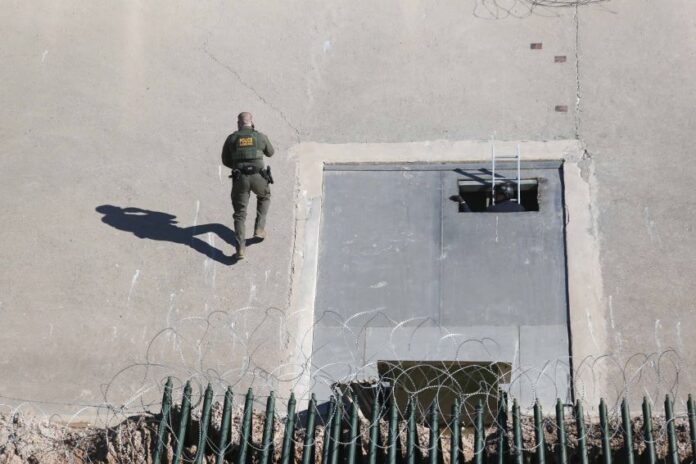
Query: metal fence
x=344, y=440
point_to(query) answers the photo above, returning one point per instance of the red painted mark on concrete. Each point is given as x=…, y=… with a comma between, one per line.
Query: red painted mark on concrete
x=561, y=108
x=535, y=46
x=559, y=59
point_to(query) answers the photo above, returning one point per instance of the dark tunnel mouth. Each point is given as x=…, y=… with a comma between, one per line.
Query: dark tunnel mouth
x=477, y=194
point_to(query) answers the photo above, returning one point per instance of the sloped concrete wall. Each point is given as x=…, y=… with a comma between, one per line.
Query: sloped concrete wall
x=127, y=105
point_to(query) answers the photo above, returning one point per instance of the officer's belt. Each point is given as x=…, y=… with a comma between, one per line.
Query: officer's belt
x=249, y=169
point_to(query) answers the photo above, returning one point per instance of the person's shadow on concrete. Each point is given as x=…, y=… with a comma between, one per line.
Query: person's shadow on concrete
x=155, y=225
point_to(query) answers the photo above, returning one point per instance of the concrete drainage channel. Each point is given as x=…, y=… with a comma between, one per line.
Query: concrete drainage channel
x=345, y=433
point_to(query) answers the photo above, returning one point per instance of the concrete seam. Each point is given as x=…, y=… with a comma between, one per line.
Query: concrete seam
x=578, y=86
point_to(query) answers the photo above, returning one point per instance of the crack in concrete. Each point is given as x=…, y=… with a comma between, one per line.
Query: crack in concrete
x=255, y=92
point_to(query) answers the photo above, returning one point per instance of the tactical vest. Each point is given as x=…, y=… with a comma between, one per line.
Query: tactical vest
x=246, y=147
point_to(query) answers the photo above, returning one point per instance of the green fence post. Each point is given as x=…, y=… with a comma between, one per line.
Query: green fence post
x=162, y=430
x=374, y=430
x=478, y=434
x=267, y=437
x=326, y=448
x=560, y=424
x=582, y=437
x=308, y=447
x=393, y=431
x=411, y=431
x=517, y=432
x=455, y=431
x=246, y=428
x=692, y=425
x=539, y=434
x=336, y=431
x=434, y=433
x=501, y=425
x=604, y=428
x=354, y=430
x=183, y=423
x=647, y=432
x=289, y=432
x=204, y=423
x=671, y=435
x=627, y=432
x=225, y=427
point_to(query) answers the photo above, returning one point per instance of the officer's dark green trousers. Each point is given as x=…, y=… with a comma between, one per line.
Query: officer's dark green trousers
x=241, y=187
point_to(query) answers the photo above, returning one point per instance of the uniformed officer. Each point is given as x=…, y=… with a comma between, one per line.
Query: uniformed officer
x=504, y=202
x=243, y=152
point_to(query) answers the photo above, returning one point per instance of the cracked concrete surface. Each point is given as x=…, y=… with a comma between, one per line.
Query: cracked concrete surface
x=128, y=105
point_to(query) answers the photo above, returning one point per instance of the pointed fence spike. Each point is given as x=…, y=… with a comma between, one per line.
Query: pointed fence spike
x=455, y=432
x=244, y=436
x=289, y=432
x=183, y=423
x=267, y=438
x=627, y=432
x=539, y=434
x=308, y=446
x=582, y=437
x=354, y=430
x=165, y=421
x=204, y=424
x=517, y=432
x=561, y=446
x=604, y=427
x=225, y=427
x=478, y=434
x=672, y=453
x=434, y=441
x=647, y=433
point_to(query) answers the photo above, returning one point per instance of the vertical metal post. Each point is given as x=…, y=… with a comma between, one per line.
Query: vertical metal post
x=246, y=428
x=604, y=428
x=308, y=447
x=183, y=423
x=411, y=432
x=582, y=437
x=162, y=430
x=267, y=437
x=225, y=427
x=336, y=431
x=517, y=432
x=455, y=433
x=354, y=431
x=204, y=423
x=692, y=424
x=478, y=434
x=539, y=434
x=493, y=165
x=434, y=433
x=501, y=426
x=374, y=430
x=560, y=426
x=627, y=431
x=326, y=448
x=673, y=455
x=288, y=443
x=393, y=430
x=647, y=432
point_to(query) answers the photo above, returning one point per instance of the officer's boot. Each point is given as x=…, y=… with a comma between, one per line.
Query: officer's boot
x=261, y=211
x=240, y=234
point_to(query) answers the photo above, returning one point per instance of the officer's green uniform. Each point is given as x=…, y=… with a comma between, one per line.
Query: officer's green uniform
x=244, y=150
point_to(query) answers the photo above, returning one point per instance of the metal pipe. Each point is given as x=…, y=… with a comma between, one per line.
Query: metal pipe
x=604, y=428
x=204, y=424
x=478, y=434
x=434, y=433
x=673, y=453
x=162, y=430
x=627, y=431
x=336, y=431
x=517, y=432
x=374, y=430
x=183, y=423
x=582, y=438
x=560, y=426
x=539, y=434
x=267, y=437
x=411, y=432
x=455, y=432
x=288, y=443
x=246, y=428
x=354, y=431
x=647, y=432
x=308, y=447
x=393, y=431
x=692, y=425
x=501, y=432
x=225, y=427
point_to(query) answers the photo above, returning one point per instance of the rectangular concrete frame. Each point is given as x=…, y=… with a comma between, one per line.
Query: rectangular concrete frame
x=582, y=245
